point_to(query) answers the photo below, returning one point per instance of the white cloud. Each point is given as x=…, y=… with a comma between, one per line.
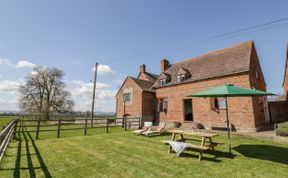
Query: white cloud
x=103, y=69
x=24, y=63
x=82, y=95
x=8, y=86
x=5, y=62
x=19, y=64
x=9, y=105
x=86, y=88
x=9, y=95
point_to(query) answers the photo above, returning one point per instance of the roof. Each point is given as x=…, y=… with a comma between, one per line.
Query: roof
x=232, y=60
x=151, y=77
x=164, y=76
x=183, y=71
x=143, y=84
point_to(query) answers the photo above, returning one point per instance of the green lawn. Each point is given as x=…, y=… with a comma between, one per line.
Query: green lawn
x=5, y=119
x=121, y=154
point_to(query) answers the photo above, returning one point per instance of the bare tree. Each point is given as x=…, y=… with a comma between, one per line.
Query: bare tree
x=44, y=92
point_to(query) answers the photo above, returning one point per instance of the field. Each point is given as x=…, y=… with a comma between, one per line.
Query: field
x=5, y=119
x=121, y=154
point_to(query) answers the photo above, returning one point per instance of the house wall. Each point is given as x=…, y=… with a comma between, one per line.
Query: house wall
x=285, y=84
x=134, y=109
x=241, y=111
x=257, y=82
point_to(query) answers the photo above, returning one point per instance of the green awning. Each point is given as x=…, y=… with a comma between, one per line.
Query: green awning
x=229, y=91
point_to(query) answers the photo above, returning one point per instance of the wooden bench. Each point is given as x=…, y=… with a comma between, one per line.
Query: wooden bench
x=206, y=141
x=211, y=144
x=197, y=148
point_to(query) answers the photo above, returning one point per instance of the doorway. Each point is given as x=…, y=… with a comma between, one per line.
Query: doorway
x=188, y=110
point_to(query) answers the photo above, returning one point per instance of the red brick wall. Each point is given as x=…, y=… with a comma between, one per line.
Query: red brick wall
x=240, y=109
x=285, y=84
x=135, y=108
x=257, y=81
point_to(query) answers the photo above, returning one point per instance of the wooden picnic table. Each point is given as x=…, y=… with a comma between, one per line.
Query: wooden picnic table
x=205, y=138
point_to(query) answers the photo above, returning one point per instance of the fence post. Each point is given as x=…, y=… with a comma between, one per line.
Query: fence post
x=59, y=128
x=85, y=127
x=125, y=123
x=139, y=122
x=107, y=125
x=38, y=127
x=15, y=128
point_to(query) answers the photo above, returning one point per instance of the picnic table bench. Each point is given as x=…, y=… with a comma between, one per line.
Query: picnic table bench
x=205, y=138
x=198, y=148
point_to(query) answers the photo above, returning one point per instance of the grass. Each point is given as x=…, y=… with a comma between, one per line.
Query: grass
x=121, y=154
x=5, y=120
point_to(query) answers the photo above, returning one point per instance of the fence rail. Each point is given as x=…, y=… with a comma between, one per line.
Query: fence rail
x=22, y=125
x=5, y=136
x=47, y=125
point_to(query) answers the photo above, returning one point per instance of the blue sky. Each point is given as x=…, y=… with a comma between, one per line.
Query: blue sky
x=121, y=35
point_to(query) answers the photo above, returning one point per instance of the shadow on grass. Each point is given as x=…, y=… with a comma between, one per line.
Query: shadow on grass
x=215, y=153
x=196, y=156
x=24, y=138
x=39, y=157
x=16, y=172
x=264, y=152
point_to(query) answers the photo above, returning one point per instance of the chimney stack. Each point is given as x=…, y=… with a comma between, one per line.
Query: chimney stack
x=164, y=65
x=142, y=68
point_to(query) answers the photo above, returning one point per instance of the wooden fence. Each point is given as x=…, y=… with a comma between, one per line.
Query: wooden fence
x=6, y=134
x=27, y=125
x=125, y=123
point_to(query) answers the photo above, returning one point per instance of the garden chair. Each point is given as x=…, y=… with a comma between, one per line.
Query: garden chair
x=160, y=130
x=147, y=126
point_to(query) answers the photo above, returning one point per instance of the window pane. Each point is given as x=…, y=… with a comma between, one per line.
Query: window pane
x=221, y=103
x=127, y=97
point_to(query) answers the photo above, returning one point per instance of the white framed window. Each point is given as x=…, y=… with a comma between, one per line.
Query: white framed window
x=127, y=97
x=181, y=78
x=218, y=103
x=162, y=105
x=163, y=82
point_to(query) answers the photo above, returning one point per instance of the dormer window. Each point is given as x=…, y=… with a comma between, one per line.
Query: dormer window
x=182, y=75
x=163, y=82
x=181, y=78
x=164, y=79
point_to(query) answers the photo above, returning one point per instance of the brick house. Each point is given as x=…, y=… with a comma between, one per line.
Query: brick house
x=163, y=97
x=285, y=82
